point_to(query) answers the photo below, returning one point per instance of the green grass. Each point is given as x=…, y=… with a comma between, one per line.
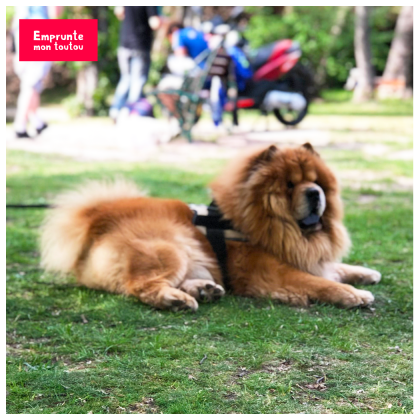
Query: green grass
x=56, y=96
x=338, y=102
x=357, y=160
x=262, y=357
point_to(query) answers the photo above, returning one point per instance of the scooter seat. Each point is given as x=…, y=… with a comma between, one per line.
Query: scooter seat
x=257, y=58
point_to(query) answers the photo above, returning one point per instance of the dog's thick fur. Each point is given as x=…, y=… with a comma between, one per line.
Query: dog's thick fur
x=114, y=238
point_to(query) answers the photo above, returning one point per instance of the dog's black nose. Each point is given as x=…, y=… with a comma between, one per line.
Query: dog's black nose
x=312, y=194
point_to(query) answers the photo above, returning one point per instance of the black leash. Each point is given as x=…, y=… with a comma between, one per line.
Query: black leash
x=29, y=206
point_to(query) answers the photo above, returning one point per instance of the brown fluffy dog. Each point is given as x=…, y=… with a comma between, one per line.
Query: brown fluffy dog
x=285, y=201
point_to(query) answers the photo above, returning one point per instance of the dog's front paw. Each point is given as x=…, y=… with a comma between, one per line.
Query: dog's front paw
x=177, y=300
x=353, y=274
x=364, y=297
x=353, y=297
x=369, y=276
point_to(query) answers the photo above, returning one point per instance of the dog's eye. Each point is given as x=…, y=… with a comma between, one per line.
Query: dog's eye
x=290, y=184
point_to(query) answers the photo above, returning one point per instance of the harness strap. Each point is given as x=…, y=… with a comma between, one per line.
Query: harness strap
x=209, y=220
x=217, y=241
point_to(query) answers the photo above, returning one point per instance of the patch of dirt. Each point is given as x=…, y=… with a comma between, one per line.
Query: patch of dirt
x=242, y=371
x=276, y=367
x=354, y=402
x=230, y=396
x=401, y=155
x=40, y=340
x=13, y=169
x=320, y=364
x=304, y=396
x=81, y=366
x=270, y=367
x=16, y=350
x=316, y=386
x=146, y=406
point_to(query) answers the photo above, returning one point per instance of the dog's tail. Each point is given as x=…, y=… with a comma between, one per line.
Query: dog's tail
x=65, y=230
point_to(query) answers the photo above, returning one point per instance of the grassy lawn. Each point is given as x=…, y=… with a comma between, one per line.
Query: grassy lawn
x=338, y=102
x=74, y=350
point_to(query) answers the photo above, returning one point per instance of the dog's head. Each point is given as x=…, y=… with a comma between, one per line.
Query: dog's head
x=293, y=184
x=280, y=195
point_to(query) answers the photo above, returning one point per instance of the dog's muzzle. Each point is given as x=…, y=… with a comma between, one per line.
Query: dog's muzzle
x=316, y=204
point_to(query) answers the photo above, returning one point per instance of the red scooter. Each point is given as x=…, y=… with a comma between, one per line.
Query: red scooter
x=274, y=80
x=280, y=84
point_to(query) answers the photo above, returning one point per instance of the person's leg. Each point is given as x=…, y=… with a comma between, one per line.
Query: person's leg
x=31, y=79
x=22, y=111
x=123, y=86
x=216, y=103
x=24, y=98
x=34, y=116
x=139, y=72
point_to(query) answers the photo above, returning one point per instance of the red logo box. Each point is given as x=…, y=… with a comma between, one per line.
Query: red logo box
x=58, y=40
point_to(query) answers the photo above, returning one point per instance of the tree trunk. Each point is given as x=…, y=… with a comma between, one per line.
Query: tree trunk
x=335, y=32
x=364, y=88
x=397, y=80
x=86, y=84
x=175, y=12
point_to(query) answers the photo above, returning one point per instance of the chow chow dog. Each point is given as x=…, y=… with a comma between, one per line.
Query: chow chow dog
x=284, y=202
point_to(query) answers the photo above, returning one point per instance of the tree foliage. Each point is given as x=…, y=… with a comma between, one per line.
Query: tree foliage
x=311, y=26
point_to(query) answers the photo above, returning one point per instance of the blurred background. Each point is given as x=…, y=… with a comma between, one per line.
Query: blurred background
x=329, y=75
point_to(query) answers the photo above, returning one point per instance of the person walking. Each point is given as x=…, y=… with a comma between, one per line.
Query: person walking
x=136, y=35
x=31, y=73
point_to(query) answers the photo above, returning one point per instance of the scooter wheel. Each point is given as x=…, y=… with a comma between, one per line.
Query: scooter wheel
x=288, y=117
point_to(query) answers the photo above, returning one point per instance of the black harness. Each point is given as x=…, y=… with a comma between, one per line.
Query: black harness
x=217, y=230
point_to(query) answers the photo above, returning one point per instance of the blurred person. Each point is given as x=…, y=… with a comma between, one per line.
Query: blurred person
x=187, y=44
x=186, y=41
x=31, y=73
x=138, y=23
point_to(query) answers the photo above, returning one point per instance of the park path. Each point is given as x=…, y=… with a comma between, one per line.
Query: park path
x=140, y=139
x=137, y=140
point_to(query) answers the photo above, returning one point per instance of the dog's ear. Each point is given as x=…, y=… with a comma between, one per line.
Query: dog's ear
x=261, y=159
x=309, y=148
x=266, y=155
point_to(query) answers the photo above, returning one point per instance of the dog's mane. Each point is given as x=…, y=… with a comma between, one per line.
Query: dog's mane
x=243, y=193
